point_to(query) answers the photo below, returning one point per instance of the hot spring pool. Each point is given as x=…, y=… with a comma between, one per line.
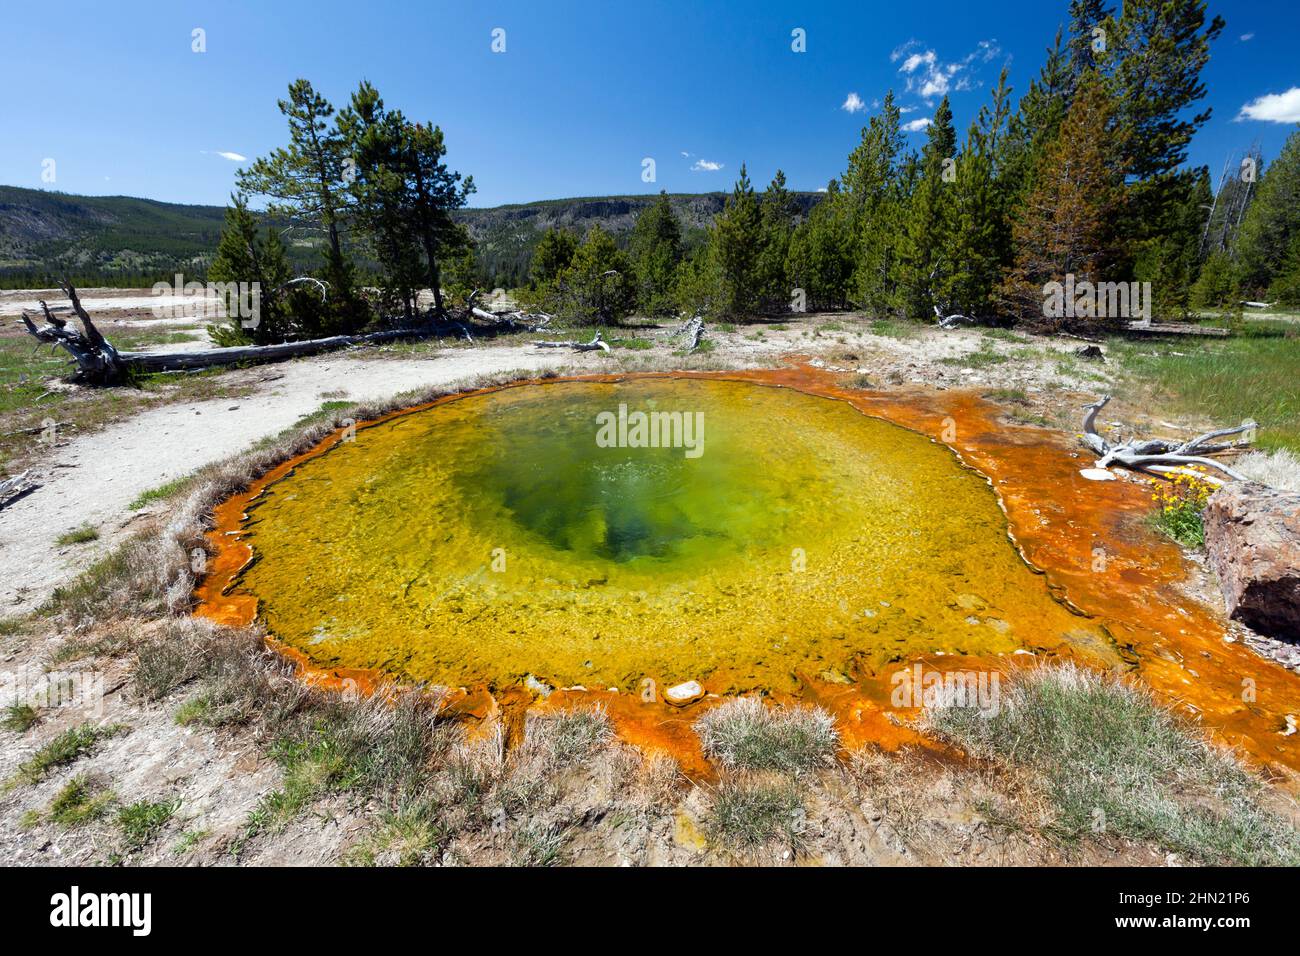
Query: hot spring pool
x=503, y=534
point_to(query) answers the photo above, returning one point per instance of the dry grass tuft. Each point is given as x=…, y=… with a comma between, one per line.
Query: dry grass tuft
x=1278, y=469
x=746, y=734
x=1113, y=761
x=752, y=813
x=564, y=738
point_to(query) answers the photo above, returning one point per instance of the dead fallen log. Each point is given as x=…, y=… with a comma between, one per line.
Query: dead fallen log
x=1172, y=329
x=99, y=362
x=11, y=489
x=516, y=319
x=255, y=354
x=595, y=343
x=1165, y=456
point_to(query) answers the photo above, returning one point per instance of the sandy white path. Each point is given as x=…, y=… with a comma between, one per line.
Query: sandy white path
x=93, y=478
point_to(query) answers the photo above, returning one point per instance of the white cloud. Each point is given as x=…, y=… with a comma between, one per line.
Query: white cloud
x=1274, y=107
x=1247, y=37
x=685, y=155
x=233, y=157
x=927, y=59
x=929, y=77
x=917, y=124
x=706, y=166
x=853, y=104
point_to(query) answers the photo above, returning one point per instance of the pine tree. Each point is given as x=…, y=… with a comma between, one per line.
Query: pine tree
x=735, y=240
x=1285, y=287
x=463, y=275
x=1066, y=224
x=242, y=256
x=376, y=138
x=1216, y=286
x=553, y=254
x=434, y=191
x=1085, y=16
x=1161, y=48
x=872, y=197
x=1266, y=244
x=981, y=235
x=926, y=262
x=1036, y=122
x=1169, y=257
x=778, y=213
x=598, y=285
x=305, y=181
x=820, y=258
x=698, y=289
x=656, y=247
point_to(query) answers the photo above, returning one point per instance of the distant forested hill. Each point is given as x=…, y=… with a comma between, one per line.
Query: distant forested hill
x=505, y=235
x=44, y=233
x=123, y=241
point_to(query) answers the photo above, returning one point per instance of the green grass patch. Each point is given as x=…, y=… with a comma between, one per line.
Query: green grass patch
x=704, y=347
x=79, y=801
x=20, y=718
x=985, y=357
x=196, y=710
x=895, y=328
x=141, y=822
x=68, y=746
x=326, y=413
x=1251, y=375
x=408, y=836
x=161, y=493
x=1003, y=335
x=79, y=535
x=10, y=626
x=635, y=344
x=538, y=844
x=188, y=841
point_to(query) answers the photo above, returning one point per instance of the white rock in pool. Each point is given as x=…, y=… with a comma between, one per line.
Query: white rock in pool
x=684, y=693
x=1097, y=474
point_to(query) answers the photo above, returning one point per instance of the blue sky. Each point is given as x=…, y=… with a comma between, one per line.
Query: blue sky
x=114, y=94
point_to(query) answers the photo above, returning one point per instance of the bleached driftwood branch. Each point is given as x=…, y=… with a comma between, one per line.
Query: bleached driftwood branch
x=694, y=332
x=515, y=318
x=1164, y=456
x=595, y=343
x=322, y=287
x=952, y=321
x=11, y=489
